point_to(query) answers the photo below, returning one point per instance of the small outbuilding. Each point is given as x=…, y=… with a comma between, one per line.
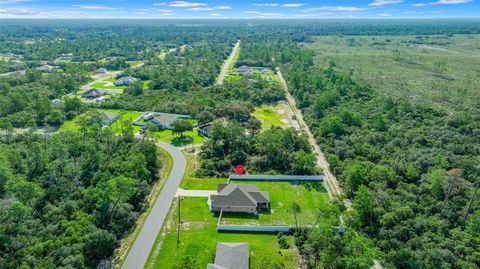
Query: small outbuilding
x=231, y=256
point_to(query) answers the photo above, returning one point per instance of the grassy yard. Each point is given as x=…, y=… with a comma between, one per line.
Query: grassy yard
x=270, y=116
x=199, y=237
x=116, y=127
x=433, y=69
x=192, y=183
x=310, y=196
x=188, y=138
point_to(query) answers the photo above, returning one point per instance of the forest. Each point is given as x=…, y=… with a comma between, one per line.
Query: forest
x=410, y=169
x=71, y=197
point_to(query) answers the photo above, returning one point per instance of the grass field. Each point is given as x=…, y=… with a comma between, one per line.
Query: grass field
x=188, y=138
x=107, y=84
x=439, y=70
x=199, y=237
x=116, y=127
x=192, y=183
x=270, y=116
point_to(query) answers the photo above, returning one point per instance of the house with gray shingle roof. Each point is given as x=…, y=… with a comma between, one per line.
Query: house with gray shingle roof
x=244, y=198
x=165, y=121
x=45, y=68
x=231, y=256
x=94, y=93
x=124, y=81
x=108, y=117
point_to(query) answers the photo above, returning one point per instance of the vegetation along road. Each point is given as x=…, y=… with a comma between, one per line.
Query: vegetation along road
x=138, y=254
x=322, y=161
x=227, y=65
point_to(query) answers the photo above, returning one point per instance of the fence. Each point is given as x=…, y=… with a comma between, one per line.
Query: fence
x=275, y=178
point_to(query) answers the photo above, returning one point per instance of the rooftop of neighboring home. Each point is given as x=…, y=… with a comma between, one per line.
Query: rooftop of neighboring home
x=45, y=68
x=231, y=256
x=165, y=119
x=95, y=92
x=101, y=71
x=125, y=81
x=108, y=117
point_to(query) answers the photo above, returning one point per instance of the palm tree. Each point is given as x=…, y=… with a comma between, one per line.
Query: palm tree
x=295, y=208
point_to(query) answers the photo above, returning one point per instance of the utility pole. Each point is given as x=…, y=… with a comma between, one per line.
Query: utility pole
x=178, y=224
x=465, y=216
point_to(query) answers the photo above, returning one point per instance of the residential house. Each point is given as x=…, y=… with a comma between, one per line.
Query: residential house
x=244, y=198
x=108, y=117
x=165, y=121
x=231, y=256
x=125, y=81
x=94, y=93
x=101, y=71
x=45, y=68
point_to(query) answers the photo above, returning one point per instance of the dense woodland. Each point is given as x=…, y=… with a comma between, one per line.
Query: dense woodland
x=410, y=169
x=71, y=198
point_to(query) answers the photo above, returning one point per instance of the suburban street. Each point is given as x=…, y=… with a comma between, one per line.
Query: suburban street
x=145, y=240
x=229, y=62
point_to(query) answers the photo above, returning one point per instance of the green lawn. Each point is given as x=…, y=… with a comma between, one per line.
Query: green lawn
x=199, y=237
x=188, y=138
x=192, y=183
x=270, y=116
x=106, y=85
x=309, y=195
x=116, y=127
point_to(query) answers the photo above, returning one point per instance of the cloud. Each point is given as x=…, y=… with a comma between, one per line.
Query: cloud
x=335, y=8
x=270, y=15
x=12, y=1
x=17, y=12
x=443, y=2
x=94, y=7
x=385, y=15
x=379, y=3
x=293, y=5
x=165, y=10
x=216, y=15
x=184, y=4
x=201, y=9
x=267, y=5
x=223, y=7
x=251, y=12
x=140, y=13
x=160, y=4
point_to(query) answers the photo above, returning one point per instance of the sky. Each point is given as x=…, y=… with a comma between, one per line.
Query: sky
x=239, y=9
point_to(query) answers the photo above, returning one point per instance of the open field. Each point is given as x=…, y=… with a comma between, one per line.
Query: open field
x=439, y=70
x=271, y=116
x=309, y=195
x=116, y=127
x=198, y=239
x=107, y=84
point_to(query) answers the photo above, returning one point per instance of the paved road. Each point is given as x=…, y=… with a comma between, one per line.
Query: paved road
x=226, y=66
x=137, y=257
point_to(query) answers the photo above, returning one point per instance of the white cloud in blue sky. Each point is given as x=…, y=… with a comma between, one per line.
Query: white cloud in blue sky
x=202, y=9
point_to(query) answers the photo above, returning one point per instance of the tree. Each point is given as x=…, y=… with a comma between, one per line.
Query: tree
x=5, y=171
x=295, y=209
x=27, y=192
x=99, y=244
x=182, y=125
x=254, y=125
x=354, y=176
x=363, y=205
x=304, y=163
x=119, y=189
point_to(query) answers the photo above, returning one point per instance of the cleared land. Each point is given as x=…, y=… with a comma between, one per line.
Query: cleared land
x=116, y=127
x=441, y=70
x=199, y=236
x=271, y=116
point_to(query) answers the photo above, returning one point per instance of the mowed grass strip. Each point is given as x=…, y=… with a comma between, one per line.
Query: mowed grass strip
x=270, y=116
x=199, y=237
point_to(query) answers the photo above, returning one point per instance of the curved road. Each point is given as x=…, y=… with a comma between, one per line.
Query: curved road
x=138, y=254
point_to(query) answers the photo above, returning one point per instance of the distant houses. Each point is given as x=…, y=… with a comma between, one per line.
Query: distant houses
x=94, y=93
x=108, y=117
x=231, y=256
x=161, y=120
x=249, y=71
x=243, y=198
x=125, y=81
x=46, y=68
x=101, y=71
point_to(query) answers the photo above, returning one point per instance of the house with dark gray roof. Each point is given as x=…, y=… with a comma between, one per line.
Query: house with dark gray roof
x=124, y=81
x=45, y=68
x=165, y=121
x=108, y=117
x=231, y=256
x=94, y=93
x=101, y=71
x=245, y=198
